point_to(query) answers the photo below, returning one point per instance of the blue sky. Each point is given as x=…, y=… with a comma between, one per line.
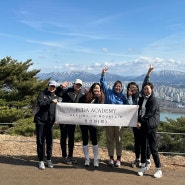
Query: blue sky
x=125, y=35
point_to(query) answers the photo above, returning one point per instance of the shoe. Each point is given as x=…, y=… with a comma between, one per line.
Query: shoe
x=148, y=165
x=87, y=162
x=136, y=163
x=117, y=163
x=74, y=161
x=50, y=164
x=111, y=162
x=96, y=163
x=158, y=173
x=41, y=165
x=64, y=159
x=141, y=171
x=69, y=161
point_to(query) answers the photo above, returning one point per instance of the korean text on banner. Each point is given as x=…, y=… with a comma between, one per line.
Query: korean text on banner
x=96, y=114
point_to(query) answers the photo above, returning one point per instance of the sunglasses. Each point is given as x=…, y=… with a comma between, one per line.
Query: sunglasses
x=52, y=86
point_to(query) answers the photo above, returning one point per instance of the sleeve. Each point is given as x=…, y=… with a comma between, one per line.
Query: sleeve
x=43, y=100
x=60, y=91
x=125, y=101
x=104, y=84
x=145, y=81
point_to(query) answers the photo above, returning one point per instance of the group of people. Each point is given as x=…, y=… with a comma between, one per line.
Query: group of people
x=100, y=93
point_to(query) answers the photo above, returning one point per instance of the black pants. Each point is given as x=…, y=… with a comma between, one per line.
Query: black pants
x=150, y=138
x=86, y=129
x=44, y=133
x=67, y=131
x=137, y=144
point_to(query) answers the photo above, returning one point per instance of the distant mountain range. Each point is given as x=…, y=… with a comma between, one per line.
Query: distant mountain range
x=162, y=77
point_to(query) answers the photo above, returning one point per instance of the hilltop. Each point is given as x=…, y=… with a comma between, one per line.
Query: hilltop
x=19, y=166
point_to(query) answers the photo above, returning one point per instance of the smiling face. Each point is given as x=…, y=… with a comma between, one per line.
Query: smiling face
x=51, y=88
x=133, y=89
x=117, y=88
x=77, y=87
x=96, y=90
x=147, y=90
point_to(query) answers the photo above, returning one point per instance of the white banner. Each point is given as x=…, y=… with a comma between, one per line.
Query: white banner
x=96, y=114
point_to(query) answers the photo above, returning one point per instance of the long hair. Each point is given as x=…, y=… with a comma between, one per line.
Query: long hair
x=90, y=94
x=132, y=83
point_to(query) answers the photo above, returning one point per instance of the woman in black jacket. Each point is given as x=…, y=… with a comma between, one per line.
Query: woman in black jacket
x=148, y=120
x=94, y=95
x=44, y=120
x=69, y=95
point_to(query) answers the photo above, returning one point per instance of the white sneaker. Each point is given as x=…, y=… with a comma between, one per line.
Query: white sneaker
x=96, y=163
x=41, y=165
x=87, y=162
x=141, y=171
x=158, y=173
x=50, y=164
x=117, y=163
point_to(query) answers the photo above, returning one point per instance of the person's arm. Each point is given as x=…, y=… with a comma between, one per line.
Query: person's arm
x=43, y=100
x=62, y=89
x=147, y=77
x=102, y=80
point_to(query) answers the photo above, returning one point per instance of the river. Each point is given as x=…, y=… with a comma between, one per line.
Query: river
x=170, y=115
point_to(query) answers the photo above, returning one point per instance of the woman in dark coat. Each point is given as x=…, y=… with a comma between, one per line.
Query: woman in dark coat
x=148, y=120
x=44, y=120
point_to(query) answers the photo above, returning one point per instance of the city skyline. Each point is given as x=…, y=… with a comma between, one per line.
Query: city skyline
x=126, y=36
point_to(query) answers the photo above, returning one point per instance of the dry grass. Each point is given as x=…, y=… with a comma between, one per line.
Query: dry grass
x=26, y=146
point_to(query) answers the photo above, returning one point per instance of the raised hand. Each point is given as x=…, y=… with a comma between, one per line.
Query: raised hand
x=64, y=84
x=150, y=69
x=104, y=70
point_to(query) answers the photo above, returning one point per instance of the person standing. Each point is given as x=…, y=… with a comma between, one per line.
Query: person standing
x=148, y=120
x=113, y=133
x=69, y=95
x=44, y=120
x=133, y=98
x=94, y=95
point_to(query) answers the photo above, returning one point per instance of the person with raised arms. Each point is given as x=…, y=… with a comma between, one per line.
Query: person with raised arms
x=114, y=134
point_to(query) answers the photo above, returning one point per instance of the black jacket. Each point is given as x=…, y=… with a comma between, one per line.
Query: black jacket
x=151, y=118
x=46, y=113
x=68, y=95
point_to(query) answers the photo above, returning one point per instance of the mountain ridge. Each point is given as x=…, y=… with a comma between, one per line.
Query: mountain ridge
x=164, y=76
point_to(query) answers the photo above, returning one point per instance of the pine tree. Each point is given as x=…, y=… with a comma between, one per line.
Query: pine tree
x=19, y=88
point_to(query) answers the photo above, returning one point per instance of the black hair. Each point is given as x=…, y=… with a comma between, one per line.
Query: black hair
x=132, y=83
x=117, y=82
x=149, y=84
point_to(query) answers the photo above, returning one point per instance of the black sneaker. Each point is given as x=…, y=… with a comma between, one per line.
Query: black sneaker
x=74, y=161
x=64, y=160
x=70, y=161
x=136, y=163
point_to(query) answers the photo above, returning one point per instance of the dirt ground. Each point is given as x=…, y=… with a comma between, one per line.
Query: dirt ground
x=19, y=165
